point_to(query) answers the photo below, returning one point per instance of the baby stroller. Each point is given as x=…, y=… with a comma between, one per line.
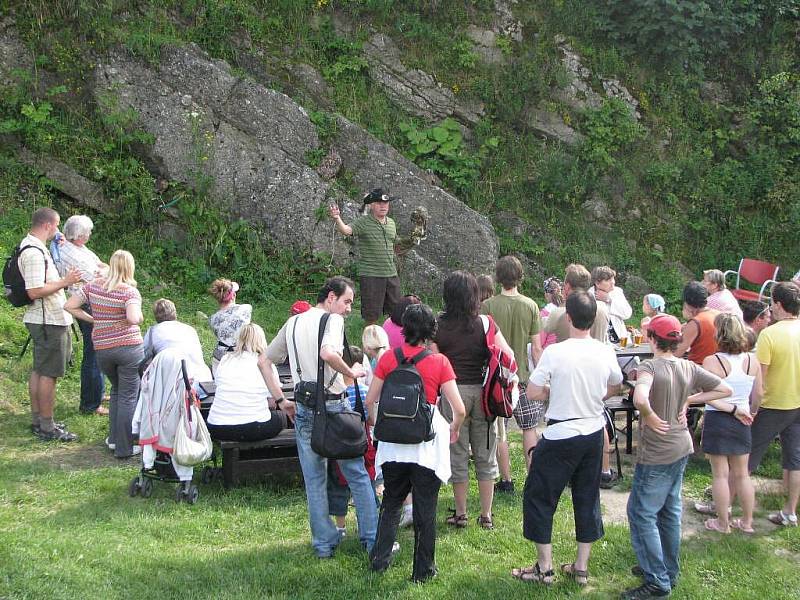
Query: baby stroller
x=164, y=400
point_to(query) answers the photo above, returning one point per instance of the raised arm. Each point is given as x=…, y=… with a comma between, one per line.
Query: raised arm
x=336, y=215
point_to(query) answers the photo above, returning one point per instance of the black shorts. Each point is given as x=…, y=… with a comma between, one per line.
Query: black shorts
x=378, y=296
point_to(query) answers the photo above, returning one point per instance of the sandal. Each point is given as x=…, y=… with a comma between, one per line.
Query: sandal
x=486, y=522
x=534, y=574
x=713, y=525
x=456, y=520
x=580, y=577
x=737, y=524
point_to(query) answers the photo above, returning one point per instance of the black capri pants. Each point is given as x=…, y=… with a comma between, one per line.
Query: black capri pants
x=576, y=460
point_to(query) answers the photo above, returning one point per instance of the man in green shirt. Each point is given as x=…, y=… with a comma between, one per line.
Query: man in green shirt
x=376, y=235
x=517, y=316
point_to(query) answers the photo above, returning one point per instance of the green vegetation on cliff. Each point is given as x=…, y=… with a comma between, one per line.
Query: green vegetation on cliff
x=706, y=175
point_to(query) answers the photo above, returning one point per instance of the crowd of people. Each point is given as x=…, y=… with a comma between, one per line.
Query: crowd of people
x=740, y=362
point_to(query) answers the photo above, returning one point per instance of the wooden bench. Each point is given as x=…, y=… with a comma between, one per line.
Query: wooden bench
x=244, y=459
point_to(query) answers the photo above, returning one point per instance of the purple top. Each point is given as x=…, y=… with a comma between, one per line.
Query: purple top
x=395, y=333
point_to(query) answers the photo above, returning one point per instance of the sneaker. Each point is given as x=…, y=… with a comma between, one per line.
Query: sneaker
x=59, y=434
x=110, y=446
x=503, y=486
x=644, y=591
x=406, y=519
x=608, y=480
x=342, y=531
x=395, y=549
x=781, y=518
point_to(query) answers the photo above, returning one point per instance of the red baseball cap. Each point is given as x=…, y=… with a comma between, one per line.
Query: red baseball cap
x=665, y=326
x=299, y=307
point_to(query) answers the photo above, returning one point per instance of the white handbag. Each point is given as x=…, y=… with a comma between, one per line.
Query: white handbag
x=192, y=441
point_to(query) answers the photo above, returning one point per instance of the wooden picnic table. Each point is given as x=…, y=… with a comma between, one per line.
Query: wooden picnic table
x=275, y=455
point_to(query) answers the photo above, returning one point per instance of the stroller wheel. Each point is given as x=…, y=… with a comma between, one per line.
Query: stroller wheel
x=192, y=494
x=207, y=475
x=134, y=487
x=147, y=488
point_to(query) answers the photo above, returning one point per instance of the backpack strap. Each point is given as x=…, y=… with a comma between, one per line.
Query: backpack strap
x=44, y=258
x=418, y=357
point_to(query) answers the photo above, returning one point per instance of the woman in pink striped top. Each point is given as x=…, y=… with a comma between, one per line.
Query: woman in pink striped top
x=116, y=313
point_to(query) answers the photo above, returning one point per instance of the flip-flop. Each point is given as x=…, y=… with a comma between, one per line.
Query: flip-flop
x=713, y=525
x=737, y=524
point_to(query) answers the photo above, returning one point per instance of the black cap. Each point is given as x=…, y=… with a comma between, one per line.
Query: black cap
x=376, y=195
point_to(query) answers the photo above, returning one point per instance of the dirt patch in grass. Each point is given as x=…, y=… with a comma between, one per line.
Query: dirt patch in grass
x=68, y=457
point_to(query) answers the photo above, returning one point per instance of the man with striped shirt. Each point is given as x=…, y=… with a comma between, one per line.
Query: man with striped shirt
x=47, y=322
x=376, y=235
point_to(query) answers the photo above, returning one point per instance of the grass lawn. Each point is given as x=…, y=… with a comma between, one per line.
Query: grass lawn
x=69, y=530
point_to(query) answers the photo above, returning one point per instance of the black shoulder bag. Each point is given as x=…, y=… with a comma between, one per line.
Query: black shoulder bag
x=339, y=435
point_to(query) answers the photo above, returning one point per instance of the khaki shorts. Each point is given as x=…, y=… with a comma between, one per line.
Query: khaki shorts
x=477, y=432
x=52, y=348
x=378, y=296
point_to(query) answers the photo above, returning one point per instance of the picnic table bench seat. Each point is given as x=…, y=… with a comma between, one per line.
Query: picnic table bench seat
x=253, y=459
x=246, y=459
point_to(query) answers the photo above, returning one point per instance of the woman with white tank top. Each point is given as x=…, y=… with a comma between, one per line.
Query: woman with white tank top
x=726, y=436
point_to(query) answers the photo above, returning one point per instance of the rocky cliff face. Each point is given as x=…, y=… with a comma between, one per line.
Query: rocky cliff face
x=249, y=144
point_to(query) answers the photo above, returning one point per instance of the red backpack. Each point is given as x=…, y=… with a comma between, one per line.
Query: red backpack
x=500, y=392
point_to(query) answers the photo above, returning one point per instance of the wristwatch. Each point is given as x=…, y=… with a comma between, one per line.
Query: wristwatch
x=279, y=400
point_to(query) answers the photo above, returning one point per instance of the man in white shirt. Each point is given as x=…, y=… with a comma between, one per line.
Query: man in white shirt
x=576, y=375
x=298, y=339
x=605, y=290
x=47, y=322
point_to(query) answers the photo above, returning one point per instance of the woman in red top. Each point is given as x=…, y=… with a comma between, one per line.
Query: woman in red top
x=116, y=314
x=415, y=468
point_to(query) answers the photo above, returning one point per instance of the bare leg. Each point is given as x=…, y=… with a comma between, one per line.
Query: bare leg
x=529, y=440
x=744, y=487
x=486, y=493
x=46, y=396
x=33, y=391
x=720, y=488
x=340, y=522
x=582, y=557
x=544, y=556
x=503, y=461
x=460, y=496
x=792, y=479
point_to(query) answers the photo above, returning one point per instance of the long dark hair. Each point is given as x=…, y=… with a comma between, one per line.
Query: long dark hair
x=461, y=297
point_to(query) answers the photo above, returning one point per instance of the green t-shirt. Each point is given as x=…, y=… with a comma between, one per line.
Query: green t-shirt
x=375, y=246
x=518, y=320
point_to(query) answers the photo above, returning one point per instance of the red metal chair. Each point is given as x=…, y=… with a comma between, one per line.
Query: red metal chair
x=758, y=273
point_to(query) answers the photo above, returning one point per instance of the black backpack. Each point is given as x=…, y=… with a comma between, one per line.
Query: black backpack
x=404, y=414
x=13, y=281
